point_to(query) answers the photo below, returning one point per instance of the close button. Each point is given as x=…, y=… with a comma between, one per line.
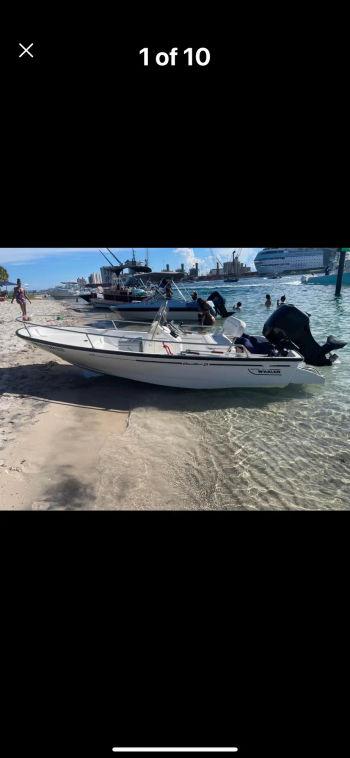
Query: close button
x=26, y=51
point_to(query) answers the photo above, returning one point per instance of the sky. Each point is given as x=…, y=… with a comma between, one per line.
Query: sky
x=40, y=268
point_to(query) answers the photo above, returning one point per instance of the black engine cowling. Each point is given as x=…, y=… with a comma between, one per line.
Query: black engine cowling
x=219, y=304
x=288, y=327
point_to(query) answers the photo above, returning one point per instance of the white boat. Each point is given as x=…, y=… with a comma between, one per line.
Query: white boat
x=67, y=291
x=147, y=310
x=180, y=308
x=136, y=304
x=167, y=355
x=331, y=276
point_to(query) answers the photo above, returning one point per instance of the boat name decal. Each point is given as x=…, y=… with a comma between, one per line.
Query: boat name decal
x=264, y=371
x=55, y=349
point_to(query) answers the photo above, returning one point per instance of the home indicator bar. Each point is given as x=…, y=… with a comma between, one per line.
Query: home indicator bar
x=175, y=749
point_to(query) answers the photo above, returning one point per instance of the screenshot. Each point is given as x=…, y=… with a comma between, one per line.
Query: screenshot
x=217, y=377
x=174, y=376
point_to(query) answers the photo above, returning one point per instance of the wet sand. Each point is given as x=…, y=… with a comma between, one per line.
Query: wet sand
x=56, y=464
x=54, y=426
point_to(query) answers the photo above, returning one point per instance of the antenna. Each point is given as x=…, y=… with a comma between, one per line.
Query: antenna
x=114, y=256
x=111, y=264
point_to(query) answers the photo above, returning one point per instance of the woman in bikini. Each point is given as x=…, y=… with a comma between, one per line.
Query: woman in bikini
x=21, y=296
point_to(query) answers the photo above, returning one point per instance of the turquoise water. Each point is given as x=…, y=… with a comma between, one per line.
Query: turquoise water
x=328, y=315
x=241, y=449
x=245, y=449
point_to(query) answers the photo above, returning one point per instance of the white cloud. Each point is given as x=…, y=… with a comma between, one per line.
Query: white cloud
x=187, y=255
x=205, y=262
x=189, y=258
x=246, y=254
x=209, y=260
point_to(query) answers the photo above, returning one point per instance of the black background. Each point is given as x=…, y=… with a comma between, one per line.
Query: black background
x=212, y=629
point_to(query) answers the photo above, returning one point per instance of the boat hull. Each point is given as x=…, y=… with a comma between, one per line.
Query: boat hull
x=329, y=279
x=107, y=302
x=66, y=297
x=185, y=372
x=149, y=313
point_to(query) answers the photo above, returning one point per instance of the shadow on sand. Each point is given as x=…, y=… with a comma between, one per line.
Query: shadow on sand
x=68, y=384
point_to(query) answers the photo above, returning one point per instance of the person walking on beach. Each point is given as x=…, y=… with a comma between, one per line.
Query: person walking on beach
x=21, y=296
x=282, y=301
x=268, y=301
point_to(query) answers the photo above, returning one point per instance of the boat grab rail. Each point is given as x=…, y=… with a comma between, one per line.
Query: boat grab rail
x=76, y=327
x=102, y=332
x=26, y=324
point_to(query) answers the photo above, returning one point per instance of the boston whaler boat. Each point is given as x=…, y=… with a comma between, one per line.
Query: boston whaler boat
x=179, y=307
x=167, y=355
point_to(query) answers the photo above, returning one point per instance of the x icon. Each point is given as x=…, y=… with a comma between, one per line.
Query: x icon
x=26, y=49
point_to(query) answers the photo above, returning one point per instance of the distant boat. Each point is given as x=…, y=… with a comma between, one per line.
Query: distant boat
x=330, y=277
x=327, y=279
x=179, y=309
x=114, y=296
x=67, y=291
x=231, y=280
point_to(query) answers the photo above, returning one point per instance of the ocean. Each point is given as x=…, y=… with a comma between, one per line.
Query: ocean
x=242, y=449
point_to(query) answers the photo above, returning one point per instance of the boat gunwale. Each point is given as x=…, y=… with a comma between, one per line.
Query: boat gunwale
x=220, y=362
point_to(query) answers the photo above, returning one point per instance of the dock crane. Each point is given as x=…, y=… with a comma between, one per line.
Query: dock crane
x=219, y=263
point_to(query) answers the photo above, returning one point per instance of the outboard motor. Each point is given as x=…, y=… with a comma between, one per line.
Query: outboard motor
x=289, y=328
x=219, y=304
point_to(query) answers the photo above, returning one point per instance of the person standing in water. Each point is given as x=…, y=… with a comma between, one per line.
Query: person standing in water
x=205, y=315
x=282, y=301
x=21, y=296
x=268, y=301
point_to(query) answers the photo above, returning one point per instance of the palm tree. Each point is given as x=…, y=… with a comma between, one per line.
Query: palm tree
x=3, y=274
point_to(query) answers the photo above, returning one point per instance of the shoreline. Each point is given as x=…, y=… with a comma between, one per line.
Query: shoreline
x=70, y=439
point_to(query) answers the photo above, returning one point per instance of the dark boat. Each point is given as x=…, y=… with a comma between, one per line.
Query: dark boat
x=231, y=280
x=113, y=295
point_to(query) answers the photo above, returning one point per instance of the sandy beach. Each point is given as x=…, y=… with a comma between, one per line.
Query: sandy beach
x=73, y=440
x=53, y=427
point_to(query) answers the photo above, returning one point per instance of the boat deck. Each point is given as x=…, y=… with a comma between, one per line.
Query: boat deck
x=160, y=343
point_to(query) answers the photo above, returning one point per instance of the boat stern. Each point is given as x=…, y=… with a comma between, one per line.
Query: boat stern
x=307, y=375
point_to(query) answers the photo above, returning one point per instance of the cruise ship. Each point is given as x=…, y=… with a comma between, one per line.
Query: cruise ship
x=281, y=260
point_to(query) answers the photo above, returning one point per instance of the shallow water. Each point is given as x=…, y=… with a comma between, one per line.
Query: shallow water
x=243, y=449
x=238, y=449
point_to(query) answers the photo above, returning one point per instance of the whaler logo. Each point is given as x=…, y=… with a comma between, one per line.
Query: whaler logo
x=55, y=349
x=264, y=371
